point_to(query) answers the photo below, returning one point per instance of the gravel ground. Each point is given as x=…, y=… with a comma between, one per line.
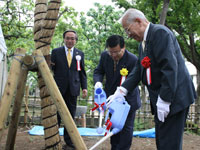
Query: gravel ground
x=24, y=141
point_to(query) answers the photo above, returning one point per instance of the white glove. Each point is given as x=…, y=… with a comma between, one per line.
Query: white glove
x=117, y=96
x=162, y=109
x=98, y=85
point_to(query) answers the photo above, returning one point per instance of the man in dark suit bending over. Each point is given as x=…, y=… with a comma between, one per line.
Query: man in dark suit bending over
x=162, y=69
x=69, y=74
x=111, y=63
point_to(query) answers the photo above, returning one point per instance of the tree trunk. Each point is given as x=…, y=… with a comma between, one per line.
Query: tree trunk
x=164, y=12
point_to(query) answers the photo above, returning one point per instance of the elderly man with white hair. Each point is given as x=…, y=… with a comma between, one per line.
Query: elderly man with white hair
x=162, y=69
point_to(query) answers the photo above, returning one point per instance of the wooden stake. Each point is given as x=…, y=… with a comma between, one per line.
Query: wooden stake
x=10, y=88
x=83, y=120
x=26, y=106
x=59, y=102
x=28, y=60
x=12, y=131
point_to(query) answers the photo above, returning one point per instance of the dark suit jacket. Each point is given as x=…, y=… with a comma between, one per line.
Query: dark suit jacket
x=105, y=67
x=170, y=77
x=68, y=77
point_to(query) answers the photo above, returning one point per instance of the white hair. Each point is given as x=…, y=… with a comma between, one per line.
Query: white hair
x=132, y=14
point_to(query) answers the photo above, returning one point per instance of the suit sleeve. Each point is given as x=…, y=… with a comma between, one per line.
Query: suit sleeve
x=99, y=71
x=165, y=55
x=133, y=78
x=83, y=76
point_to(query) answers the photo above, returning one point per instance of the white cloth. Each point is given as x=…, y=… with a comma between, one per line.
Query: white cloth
x=122, y=90
x=3, y=48
x=163, y=109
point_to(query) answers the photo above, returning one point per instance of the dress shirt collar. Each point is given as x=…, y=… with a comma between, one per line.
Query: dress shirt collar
x=66, y=50
x=145, y=32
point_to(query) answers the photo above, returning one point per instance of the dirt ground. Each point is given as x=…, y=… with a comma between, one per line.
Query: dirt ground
x=24, y=141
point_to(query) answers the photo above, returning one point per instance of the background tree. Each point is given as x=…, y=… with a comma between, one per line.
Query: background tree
x=100, y=22
x=183, y=18
x=17, y=21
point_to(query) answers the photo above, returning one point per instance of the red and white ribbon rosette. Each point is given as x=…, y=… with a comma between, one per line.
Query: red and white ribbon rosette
x=147, y=65
x=124, y=73
x=78, y=60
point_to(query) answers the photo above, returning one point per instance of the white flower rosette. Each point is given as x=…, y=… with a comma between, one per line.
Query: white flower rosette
x=78, y=60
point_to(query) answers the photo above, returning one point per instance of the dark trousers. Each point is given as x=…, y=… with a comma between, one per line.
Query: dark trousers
x=71, y=102
x=169, y=135
x=123, y=139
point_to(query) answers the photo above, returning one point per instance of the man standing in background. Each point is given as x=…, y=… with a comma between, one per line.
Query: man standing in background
x=69, y=74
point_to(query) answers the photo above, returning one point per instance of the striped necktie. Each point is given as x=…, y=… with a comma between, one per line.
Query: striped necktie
x=69, y=57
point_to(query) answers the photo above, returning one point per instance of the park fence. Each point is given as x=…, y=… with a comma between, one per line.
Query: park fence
x=31, y=115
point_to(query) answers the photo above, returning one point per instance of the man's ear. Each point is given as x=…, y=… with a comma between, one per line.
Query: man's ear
x=124, y=47
x=138, y=20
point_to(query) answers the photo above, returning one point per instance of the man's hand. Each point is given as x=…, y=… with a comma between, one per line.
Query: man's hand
x=84, y=93
x=117, y=96
x=162, y=109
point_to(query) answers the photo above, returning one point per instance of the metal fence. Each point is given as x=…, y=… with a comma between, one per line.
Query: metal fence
x=31, y=115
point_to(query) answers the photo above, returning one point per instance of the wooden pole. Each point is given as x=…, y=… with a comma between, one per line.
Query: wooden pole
x=10, y=88
x=12, y=131
x=59, y=102
x=83, y=120
x=26, y=105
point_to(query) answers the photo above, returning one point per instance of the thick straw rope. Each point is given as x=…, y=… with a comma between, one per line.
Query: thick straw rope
x=45, y=19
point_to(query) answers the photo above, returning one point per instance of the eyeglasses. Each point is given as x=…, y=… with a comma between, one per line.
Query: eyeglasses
x=70, y=38
x=127, y=30
x=114, y=52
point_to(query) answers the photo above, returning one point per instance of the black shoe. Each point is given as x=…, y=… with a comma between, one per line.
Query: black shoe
x=68, y=147
x=71, y=145
x=64, y=147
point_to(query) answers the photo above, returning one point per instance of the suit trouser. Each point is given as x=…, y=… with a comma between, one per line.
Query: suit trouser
x=123, y=139
x=71, y=102
x=169, y=135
